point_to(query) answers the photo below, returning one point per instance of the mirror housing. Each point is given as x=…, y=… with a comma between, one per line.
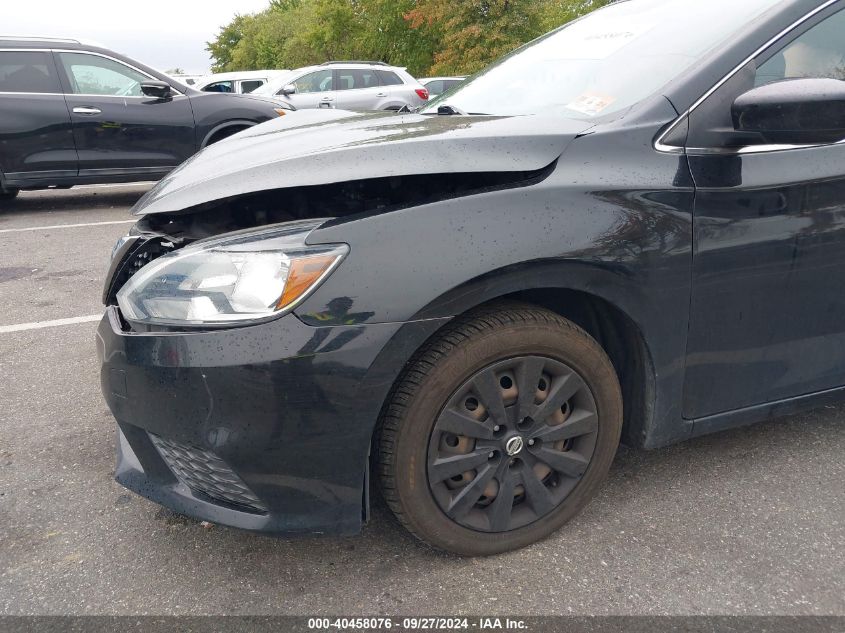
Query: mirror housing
x=793, y=111
x=156, y=89
x=288, y=89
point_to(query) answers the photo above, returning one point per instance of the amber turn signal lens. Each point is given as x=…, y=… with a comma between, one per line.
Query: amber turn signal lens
x=304, y=273
x=280, y=111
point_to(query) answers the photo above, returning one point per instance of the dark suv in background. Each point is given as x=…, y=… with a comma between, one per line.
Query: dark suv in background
x=72, y=114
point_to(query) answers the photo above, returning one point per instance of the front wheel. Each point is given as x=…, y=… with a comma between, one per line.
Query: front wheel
x=9, y=194
x=500, y=431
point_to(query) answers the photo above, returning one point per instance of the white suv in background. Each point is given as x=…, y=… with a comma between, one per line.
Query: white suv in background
x=238, y=82
x=348, y=86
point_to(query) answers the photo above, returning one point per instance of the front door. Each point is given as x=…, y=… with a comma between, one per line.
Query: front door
x=314, y=90
x=117, y=129
x=768, y=298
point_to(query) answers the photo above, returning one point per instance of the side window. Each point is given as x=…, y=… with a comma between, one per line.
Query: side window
x=95, y=75
x=818, y=53
x=435, y=87
x=356, y=79
x=248, y=85
x=388, y=78
x=27, y=72
x=220, y=86
x=320, y=81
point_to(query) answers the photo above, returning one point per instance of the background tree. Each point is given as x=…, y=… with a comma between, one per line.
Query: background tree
x=426, y=36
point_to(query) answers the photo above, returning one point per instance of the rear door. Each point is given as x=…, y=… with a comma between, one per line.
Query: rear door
x=395, y=88
x=36, y=136
x=118, y=130
x=359, y=89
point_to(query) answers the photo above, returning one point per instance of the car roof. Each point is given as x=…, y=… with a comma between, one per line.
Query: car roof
x=352, y=65
x=34, y=41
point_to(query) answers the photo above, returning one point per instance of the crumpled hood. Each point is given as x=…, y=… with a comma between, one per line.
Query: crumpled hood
x=312, y=147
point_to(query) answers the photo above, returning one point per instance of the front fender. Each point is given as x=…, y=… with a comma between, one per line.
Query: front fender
x=624, y=236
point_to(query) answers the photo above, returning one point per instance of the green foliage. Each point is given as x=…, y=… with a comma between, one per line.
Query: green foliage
x=426, y=36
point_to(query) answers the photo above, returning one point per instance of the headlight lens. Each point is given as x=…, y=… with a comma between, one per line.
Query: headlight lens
x=243, y=277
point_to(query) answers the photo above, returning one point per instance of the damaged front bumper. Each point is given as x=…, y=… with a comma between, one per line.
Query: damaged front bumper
x=265, y=428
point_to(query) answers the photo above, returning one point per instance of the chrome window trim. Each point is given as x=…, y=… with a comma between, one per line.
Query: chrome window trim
x=117, y=61
x=755, y=149
x=29, y=94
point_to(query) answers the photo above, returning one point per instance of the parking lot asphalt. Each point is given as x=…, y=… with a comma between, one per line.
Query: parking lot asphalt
x=750, y=521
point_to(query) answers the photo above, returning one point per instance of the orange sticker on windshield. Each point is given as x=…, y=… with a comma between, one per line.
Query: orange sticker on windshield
x=590, y=103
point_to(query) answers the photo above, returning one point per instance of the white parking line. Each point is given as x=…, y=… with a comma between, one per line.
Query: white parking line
x=37, y=325
x=65, y=226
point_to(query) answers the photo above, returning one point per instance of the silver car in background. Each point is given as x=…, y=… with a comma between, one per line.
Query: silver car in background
x=348, y=86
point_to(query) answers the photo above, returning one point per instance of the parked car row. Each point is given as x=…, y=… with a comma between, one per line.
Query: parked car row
x=72, y=113
x=347, y=85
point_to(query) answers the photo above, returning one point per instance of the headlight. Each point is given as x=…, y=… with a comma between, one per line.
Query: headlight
x=244, y=276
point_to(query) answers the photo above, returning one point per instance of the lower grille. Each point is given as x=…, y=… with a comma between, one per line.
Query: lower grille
x=203, y=471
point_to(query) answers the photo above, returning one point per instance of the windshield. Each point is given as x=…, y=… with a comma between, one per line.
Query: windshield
x=273, y=85
x=607, y=61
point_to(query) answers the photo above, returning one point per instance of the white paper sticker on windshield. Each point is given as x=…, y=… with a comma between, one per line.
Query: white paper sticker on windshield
x=590, y=103
x=589, y=43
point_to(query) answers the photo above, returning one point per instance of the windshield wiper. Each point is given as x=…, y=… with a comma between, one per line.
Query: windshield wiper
x=449, y=110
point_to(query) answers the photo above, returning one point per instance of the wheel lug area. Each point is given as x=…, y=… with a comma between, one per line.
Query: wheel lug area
x=531, y=442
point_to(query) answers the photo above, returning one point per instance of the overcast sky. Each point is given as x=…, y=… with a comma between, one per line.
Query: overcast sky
x=160, y=33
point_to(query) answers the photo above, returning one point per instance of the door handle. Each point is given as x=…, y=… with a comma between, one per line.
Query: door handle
x=89, y=110
x=328, y=98
x=381, y=94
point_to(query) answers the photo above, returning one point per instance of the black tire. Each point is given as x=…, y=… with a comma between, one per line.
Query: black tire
x=429, y=392
x=9, y=194
x=226, y=133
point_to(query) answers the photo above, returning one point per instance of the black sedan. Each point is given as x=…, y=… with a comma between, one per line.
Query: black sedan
x=71, y=113
x=472, y=304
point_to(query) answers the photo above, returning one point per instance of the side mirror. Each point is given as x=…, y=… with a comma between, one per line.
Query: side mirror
x=156, y=89
x=799, y=111
x=289, y=89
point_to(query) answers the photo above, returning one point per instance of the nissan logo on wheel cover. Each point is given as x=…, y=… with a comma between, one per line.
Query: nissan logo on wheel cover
x=514, y=445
